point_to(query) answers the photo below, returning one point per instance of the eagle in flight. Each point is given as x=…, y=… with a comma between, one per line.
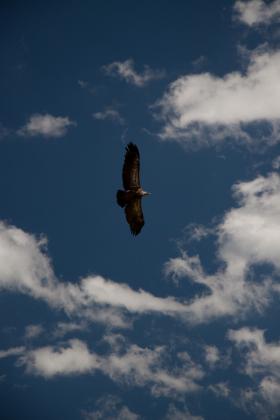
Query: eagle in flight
x=132, y=195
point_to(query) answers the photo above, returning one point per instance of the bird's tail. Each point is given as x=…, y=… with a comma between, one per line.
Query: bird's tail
x=121, y=198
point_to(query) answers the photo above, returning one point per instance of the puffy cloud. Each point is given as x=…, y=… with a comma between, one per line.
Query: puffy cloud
x=125, y=70
x=49, y=361
x=109, y=114
x=46, y=125
x=248, y=235
x=262, y=362
x=257, y=12
x=201, y=109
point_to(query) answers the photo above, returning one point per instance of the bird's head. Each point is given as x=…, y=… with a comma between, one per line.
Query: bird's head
x=146, y=193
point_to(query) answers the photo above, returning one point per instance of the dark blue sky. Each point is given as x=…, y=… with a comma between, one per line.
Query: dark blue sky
x=179, y=322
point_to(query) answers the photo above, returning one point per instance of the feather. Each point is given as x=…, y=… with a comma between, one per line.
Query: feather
x=134, y=215
x=131, y=168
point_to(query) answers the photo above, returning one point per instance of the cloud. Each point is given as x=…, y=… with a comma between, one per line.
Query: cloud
x=125, y=70
x=46, y=125
x=248, y=235
x=49, y=362
x=13, y=351
x=64, y=328
x=220, y=390
x=175, y=413
x=261, y=361
x=110, y=407
x=26, y=268
x=276, y=163
x=212, y=355
x=132, y=365
x=201, y=109
x=33, y=330
x=257, y=12
x=83, y=84
x=109, y=114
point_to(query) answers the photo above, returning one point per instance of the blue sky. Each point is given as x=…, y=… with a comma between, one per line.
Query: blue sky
x=180, y=322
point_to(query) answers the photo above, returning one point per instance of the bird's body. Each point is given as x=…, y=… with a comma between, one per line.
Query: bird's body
x=130, y=197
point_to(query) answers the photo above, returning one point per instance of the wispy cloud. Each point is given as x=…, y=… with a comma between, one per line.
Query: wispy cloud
x=257, y=12
x=248, y=235
x=261, y=361
x=202, y=109
x=132, y=365
x=109, y=114
x=174, y=413
x=46, y=125
x=33, y=330
x=276, y=163
x=125, y=70
x=13, y=351
x=26, y=268
x=109, y=407
x=64, y=328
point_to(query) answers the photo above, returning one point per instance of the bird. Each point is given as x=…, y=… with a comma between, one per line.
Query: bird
x=130, y=198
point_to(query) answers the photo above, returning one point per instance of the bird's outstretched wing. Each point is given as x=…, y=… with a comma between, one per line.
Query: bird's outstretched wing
x=134, y=215
x=131, y=168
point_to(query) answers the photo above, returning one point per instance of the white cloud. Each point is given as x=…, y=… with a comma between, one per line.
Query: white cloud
x=276, y=163
x=212, y=355
x=125, y=70
x=248, y=235
x=46, y=125
x=174, y=413
x=204, y=109
x=220, y=390
x=110, y=408
x=26, y=268
x=143, y=366
x=257, y=12
x=109, y=114
x=33, y=330
x=70, y=360
x=262, y=362
x=13, y=351
x=64, y=328
x=134, y=365
x=83, y=84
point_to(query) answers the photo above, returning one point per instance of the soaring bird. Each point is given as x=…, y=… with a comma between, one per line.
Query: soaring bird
x=132, y=195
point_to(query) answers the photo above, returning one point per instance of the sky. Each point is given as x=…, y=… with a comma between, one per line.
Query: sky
x=182, y=321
